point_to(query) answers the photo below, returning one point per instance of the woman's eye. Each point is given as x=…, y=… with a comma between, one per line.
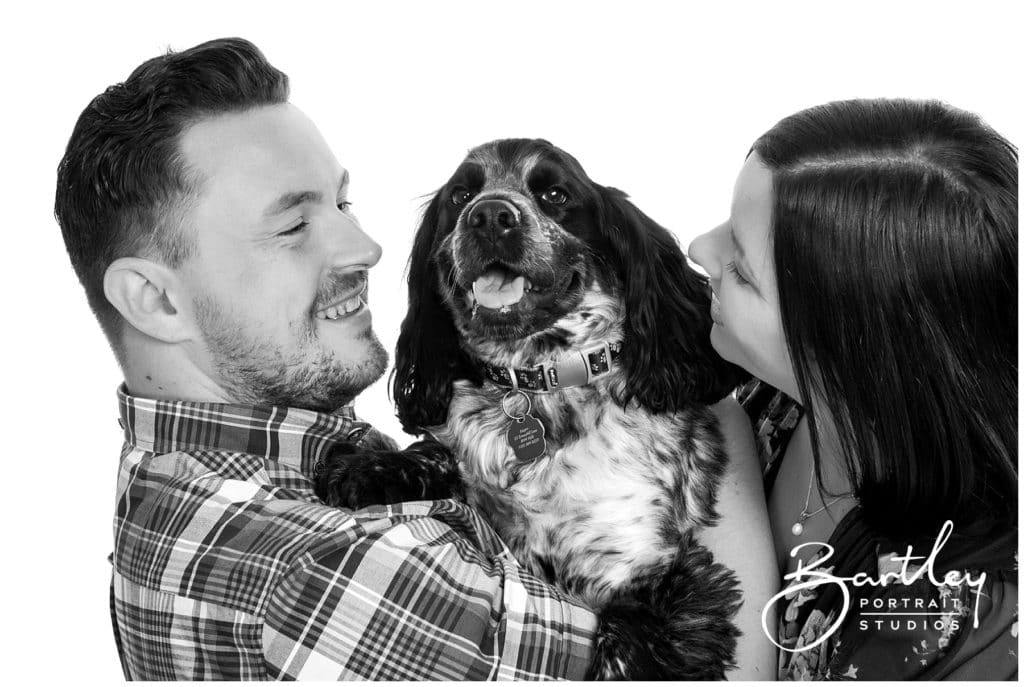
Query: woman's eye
x=460, y=195
x=555, y=196
x=297, y=229
x=736, y=273
x=344, y=205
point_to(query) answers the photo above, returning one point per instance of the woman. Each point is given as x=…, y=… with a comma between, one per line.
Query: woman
x=868, y=271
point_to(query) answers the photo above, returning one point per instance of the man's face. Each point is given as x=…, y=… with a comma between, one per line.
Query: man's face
x=280, y=263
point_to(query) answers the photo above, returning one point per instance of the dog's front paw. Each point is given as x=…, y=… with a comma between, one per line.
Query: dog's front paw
x=675, y=626
x=353, y=479
x=344, y=478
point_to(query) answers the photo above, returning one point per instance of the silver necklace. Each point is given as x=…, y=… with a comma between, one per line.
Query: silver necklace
x=798, y=526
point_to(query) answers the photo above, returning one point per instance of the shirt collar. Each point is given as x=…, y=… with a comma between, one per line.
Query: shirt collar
x=292, y=436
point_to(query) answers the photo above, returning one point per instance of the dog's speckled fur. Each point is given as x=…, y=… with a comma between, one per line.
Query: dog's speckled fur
x=611, y=496
x=633, y=460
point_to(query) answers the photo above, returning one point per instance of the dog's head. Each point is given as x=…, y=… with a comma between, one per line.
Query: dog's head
x=520, y=257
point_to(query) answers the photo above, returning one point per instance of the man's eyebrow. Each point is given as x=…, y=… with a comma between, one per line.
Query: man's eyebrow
x=296, y=198
x=291, y=200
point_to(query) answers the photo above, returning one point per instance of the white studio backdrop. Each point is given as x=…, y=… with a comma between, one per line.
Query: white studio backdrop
x=659, y=99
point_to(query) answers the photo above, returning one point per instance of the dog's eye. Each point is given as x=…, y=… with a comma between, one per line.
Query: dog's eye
x=461, y=195
x=555, y=196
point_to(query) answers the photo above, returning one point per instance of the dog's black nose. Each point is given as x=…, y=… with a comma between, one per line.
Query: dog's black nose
x=493, y=218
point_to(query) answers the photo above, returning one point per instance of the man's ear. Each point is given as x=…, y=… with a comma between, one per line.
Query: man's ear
x=148, y=297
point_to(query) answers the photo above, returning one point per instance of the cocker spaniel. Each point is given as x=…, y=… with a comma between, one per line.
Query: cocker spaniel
x=557, y=342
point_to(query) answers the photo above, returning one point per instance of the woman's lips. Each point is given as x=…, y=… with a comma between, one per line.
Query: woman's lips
x=716, y=309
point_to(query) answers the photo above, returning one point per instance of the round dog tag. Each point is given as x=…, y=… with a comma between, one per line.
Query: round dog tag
x=526, y=437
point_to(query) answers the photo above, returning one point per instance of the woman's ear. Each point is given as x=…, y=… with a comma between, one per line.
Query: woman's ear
x=148, y=296
x=428, y=357
x=667, y=350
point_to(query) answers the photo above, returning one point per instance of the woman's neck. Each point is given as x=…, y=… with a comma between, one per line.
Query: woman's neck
x=796, y=491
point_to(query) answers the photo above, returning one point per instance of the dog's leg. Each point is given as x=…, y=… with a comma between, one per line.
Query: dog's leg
x=353, y=479
x=674, y=625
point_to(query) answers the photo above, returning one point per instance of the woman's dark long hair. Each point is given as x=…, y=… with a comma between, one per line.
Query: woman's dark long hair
x=894, y=233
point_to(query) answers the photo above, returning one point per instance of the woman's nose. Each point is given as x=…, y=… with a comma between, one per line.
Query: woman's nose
x=702, y=251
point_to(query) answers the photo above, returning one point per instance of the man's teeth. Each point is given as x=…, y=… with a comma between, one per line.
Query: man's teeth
x=340, y=309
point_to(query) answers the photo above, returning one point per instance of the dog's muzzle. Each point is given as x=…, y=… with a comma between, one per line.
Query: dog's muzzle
x=494, y=220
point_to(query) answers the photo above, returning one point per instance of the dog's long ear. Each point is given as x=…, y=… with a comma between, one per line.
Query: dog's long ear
x=667, y=350
x=428, y=357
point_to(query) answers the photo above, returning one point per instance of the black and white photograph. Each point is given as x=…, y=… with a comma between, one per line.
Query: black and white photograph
x=460, y=341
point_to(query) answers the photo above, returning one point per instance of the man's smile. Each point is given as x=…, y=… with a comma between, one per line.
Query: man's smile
x=342, y=308
x=351, y=301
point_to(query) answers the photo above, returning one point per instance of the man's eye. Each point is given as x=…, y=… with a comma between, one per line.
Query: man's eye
x=298, y=229
x=460, y=195
x=555, y=196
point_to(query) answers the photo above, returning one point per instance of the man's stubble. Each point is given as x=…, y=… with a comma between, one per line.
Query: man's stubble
x=256, y=371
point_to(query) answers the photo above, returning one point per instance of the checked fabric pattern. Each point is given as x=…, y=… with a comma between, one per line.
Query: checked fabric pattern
x=227, y=566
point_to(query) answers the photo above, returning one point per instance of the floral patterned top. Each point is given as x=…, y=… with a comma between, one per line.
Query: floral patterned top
x=962, y=626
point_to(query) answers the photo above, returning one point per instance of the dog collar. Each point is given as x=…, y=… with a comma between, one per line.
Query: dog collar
x=578, y=369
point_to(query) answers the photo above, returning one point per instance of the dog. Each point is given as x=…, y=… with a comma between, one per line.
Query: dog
x=557, y=342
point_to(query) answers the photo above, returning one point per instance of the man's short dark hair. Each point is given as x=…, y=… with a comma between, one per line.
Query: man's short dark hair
x=123, y=185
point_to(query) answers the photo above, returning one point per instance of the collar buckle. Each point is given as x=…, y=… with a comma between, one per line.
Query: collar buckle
x=598, y=361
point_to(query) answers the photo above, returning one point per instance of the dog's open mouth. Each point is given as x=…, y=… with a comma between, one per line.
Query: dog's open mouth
x=502, y=289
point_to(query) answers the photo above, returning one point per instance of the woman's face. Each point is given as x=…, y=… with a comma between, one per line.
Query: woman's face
x=745, y=307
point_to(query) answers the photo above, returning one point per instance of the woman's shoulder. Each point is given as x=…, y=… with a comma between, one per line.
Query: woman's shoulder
x=908, y=615
x=773, y=416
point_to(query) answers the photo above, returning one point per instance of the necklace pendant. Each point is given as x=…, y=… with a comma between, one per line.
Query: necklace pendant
x=798, y=528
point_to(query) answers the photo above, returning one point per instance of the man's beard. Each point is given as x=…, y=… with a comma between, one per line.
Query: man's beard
x=259, y=371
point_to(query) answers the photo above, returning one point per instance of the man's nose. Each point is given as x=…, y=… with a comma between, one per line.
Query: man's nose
x=702, y=250
x=350, y=245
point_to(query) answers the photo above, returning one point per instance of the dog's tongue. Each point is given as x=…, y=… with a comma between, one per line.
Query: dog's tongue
x=497, y=288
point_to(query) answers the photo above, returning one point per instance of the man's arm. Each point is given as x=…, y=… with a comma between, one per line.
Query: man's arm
x=672, y=624
x=419, y=601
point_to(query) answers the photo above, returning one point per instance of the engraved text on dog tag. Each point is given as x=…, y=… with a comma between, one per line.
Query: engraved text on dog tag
x=526, y=437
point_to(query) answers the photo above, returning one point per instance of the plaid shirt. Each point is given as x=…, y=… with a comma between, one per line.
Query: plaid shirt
x=227, y=566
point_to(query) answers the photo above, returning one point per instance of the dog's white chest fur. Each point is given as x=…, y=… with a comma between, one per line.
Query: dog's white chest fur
x=609, y=498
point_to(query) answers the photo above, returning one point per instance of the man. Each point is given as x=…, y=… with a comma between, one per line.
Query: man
x=209, y=224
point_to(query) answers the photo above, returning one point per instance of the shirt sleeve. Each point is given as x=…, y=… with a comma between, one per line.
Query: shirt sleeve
x=418, y=601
